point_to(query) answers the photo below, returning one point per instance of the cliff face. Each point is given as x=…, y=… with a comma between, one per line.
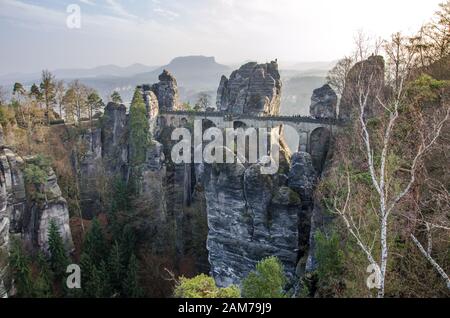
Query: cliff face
x=114, y=141
x=252, y=89
x=360, y=75
x=252, y=216
x=88, y=164
x=24, y=216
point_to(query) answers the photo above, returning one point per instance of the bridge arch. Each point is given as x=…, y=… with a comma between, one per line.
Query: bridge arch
x=183, y=121
x=207, y=123
x=239, y=124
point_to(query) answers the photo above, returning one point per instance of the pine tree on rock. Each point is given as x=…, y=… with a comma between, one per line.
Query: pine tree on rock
x=116, y=98
x=139, y=130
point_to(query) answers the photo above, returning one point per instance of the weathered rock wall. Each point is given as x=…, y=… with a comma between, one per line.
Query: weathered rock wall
x=252, y=89
x=367, y=77
x=166, y=91
x=24, y=216
x=252, y=216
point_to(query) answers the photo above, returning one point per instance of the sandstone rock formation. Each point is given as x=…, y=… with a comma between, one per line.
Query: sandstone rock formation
x=115, y=140
x=21, y=214
x=302, y=175
x=323, y=103
x=252, y=89
x=152, y=106
x=166, y=91
x=320, y=141
x=368, y=76
x=253, y=215
x=88, y=166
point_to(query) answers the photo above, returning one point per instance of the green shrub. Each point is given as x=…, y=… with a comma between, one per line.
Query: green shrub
x=267, y=281
x=36, y=174
x=330, y=264
x=203, y=286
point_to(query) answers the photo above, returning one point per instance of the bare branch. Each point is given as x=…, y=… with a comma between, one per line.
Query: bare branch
x=421, y=151
x=432, y=261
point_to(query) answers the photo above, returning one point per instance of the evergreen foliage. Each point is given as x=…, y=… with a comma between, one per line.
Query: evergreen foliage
x=116, y=98
x=58, y=256
x=131, y=288
x=267, y=281
x=139, y=129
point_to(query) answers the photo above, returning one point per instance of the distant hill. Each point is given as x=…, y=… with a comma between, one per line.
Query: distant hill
x=79, y=73
x=104, y=71
x=296, y=94
x=194, y=74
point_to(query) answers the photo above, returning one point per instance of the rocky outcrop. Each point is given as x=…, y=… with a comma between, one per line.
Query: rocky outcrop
x=323, y=103
x=368, y=76
x=319, y=144
x=250, y=216
x=114, y=132
x=166, y=91
x=302, y=175
x=252, y=89
x=53, y=209
x=42, y=209
x=89, y=168
x=151, y=186
x=23, y=215
x=152, y=107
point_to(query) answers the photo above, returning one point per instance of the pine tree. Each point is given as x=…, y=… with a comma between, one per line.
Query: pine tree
x=36, y=93
x=139, y=129
x=97, y=286
x=94, y=103
x=20, y=265
x=115, y=267
x=43, y=282
x=48, y=87
x=128, y=242
x=58, y=256
x=131, y=288
x=116, y=98
x=95, y=243
x=120, y=202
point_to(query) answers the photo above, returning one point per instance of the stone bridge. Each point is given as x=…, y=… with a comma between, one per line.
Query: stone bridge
x=313, y=134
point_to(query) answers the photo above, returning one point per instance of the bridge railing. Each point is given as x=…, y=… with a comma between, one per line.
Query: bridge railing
x=294, y=118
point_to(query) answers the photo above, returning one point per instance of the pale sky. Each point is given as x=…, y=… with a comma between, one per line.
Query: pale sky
x=34, y=34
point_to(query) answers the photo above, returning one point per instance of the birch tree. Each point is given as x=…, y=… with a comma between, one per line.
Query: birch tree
x=379, y=145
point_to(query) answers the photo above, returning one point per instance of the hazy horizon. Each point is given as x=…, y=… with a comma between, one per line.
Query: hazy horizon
x=35, y=35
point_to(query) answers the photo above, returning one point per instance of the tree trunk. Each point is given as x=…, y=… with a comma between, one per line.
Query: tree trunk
x=384, y=255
